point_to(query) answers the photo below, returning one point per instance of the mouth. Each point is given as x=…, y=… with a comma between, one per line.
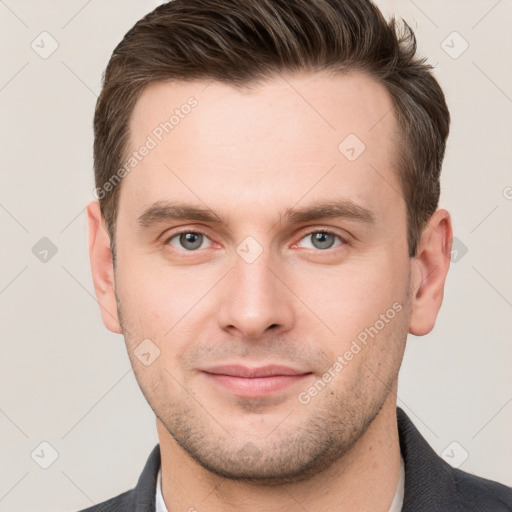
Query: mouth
x=255, y=382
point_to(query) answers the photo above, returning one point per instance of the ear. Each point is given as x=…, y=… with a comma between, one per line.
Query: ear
x=429, y=269
x=102, y=267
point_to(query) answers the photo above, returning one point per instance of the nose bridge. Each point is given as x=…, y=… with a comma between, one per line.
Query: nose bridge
x=254, y=279
x=253, y=298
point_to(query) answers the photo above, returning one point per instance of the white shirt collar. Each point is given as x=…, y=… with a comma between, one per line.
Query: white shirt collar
x=396, y=506
x=398, y=500
x=159, y=501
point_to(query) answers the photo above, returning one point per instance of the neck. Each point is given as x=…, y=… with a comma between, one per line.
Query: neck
x=365, y=478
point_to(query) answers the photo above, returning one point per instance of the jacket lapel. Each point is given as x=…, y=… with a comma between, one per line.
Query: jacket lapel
x=143, y=496
x=429, y=482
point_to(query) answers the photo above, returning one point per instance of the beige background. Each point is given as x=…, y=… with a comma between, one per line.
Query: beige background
x=65, y=380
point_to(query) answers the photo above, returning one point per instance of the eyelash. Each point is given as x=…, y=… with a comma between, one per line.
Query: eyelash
x=309, y=233
x=343, y=240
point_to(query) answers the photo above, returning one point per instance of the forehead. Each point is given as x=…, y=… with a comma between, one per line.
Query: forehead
x=329, y=134
x=306, y=104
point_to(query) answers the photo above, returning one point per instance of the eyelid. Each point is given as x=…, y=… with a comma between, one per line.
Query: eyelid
x=318, y=229
x=307, y=231
x=167, y=238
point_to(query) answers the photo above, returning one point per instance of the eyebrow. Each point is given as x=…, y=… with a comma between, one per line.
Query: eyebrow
x=333, y=209
x=163, y=211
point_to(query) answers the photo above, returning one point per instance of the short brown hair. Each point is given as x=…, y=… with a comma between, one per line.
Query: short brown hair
x=239, y=42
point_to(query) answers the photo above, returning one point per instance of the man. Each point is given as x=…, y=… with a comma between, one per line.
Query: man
x=267, y=234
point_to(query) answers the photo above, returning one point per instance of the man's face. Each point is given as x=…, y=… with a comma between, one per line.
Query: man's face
x=260, y=286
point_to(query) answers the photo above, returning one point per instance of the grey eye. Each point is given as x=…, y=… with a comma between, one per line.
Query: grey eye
x=189, y=241
x=321, y=240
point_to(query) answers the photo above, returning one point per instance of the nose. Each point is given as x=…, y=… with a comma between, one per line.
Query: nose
x=255, y=299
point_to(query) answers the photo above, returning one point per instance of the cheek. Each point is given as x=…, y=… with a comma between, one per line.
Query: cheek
x=144, y=303
x=150, y=289
x=169, y=305
x=350, y=297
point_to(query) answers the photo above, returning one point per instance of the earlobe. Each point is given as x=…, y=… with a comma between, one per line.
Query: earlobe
x=102, y=267
x=429, y=270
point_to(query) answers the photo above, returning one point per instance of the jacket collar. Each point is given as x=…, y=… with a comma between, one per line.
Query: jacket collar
x=145, y=491
x=429, y=481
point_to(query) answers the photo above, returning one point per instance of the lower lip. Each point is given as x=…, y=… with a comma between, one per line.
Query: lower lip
x=256, y=386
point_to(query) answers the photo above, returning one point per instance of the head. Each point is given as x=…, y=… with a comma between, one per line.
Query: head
x=268, y=178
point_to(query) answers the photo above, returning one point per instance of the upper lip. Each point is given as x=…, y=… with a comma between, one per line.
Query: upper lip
x=263, y=371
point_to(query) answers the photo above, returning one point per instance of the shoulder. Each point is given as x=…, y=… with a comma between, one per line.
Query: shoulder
x=116, y=504
x=432, y=485
x=480, y=494
x=142, y=497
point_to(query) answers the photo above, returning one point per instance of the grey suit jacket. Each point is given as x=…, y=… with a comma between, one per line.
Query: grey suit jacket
x=431, y=485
